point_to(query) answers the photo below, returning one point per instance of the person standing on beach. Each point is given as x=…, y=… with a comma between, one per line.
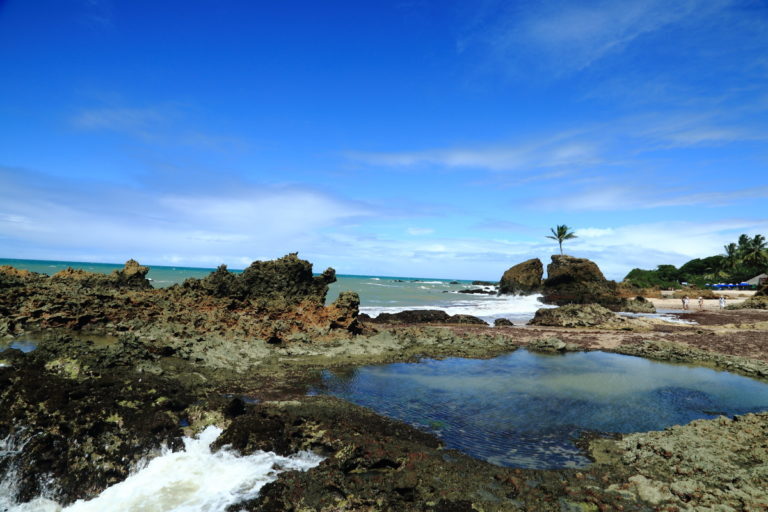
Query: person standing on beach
x=722, y=302
x=701, y=302
x=685, y=302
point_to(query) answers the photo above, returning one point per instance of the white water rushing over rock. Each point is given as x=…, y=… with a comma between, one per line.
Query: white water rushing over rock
x=518, y=308
x=192, y=480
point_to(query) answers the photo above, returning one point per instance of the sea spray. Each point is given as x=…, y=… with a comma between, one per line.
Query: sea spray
x=192, y=480
x=518, y=308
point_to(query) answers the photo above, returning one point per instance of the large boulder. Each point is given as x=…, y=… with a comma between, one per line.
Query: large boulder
x=578, y=281
x=573, y=315
x=523, y=278
x=288, y=279
x=762, y=291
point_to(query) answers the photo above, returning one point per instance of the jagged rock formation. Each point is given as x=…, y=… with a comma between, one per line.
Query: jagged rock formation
x=422, y=316
x=274, y=300
x=523, y=278
x=131, y=277
x=289, y=279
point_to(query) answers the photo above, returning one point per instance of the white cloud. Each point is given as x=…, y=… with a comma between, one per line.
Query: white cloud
x=563, y=150
x=420, y=231
x=59, y=218
x=564, y=36
x=120, y=119
x=593, y=232
x=624, y=197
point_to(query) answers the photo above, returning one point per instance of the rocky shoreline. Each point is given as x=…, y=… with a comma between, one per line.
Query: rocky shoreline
x=121, y=369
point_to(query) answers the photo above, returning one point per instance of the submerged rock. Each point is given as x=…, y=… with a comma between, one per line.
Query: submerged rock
x=547, y=345
x=523, y=278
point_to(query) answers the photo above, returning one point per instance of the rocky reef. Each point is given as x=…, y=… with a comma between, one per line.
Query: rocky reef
x=121, y=369
x=274, y=301
x=522, y=279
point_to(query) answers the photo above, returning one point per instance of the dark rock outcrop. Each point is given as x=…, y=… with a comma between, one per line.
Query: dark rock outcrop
x=573, y=315
x=288, y=278
x=524, y=278
x=578, y=281
x=422, y=316
x=82, y=434
x=502, y=322
x=479, y=291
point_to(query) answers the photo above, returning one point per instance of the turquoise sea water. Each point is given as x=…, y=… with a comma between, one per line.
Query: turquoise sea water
x=524, y=409
x=377, y=293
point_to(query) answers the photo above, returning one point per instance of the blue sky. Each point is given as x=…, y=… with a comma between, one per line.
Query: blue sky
x=409, y=138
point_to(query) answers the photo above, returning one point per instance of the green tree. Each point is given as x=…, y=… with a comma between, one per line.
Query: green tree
x=561, y=234
x=755, y=253
x=731, y=260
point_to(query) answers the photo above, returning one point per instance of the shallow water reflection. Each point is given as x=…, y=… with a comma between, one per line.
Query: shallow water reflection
x=524, y=409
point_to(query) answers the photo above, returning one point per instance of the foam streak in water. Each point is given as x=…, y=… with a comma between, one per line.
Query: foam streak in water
x=192, y=480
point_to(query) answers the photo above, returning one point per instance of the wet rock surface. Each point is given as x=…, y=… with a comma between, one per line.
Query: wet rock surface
x=422, y=316
x=524, y=278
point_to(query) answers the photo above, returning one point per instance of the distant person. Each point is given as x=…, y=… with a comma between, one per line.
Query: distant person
x=722, y=302
x=685, y=302
x=701, y=302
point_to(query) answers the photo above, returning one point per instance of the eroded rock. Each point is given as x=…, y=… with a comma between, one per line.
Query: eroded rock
x=577, y=281
x=524, y=278
x=573, y=315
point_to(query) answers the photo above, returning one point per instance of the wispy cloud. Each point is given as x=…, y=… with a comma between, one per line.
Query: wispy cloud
x=570, y=36
x=64, y=219
x=629, y=197
x=165, y=124
x=420, y=231
x=131, y=120
x=559, y=151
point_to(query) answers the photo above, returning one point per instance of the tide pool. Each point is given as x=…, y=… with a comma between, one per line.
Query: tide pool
x=525, y=409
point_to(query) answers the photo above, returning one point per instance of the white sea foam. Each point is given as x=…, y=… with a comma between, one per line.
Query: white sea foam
x=192, y=480
x=515, y=307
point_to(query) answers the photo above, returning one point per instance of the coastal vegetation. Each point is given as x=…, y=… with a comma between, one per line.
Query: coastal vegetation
x=739, y=262
x=561, y=234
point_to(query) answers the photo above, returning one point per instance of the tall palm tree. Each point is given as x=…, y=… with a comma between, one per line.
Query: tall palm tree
x=561, y=233
x=755, y=252
x=731, y=256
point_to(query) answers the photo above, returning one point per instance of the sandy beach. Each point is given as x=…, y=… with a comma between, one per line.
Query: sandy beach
x=731, y=297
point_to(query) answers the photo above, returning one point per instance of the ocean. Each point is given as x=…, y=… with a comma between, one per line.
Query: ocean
x=378, y=294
